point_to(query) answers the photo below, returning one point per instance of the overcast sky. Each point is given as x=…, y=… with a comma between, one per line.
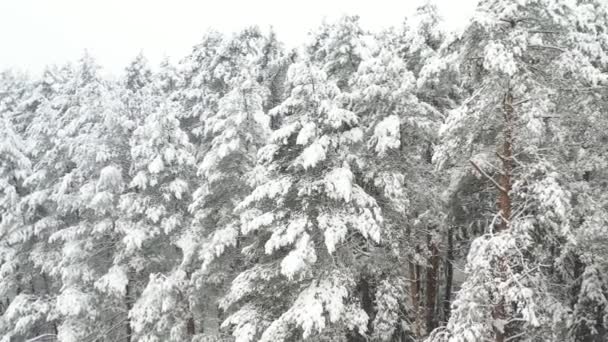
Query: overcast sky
x=34, y=33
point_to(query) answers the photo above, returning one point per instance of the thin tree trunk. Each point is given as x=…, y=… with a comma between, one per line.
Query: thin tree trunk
x=367, y=301
x=47, y=288
x=505, y=181
x=449, y=276
x=431, y=285
x=190, y=327
x=419, y=307
x=414, y=294
x=128, y=306
x=18, y=276
x=367, y=298
x=190, y=324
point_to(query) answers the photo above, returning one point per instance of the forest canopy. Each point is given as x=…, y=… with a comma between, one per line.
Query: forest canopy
x=411, y=184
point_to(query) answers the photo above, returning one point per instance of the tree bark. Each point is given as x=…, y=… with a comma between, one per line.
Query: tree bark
x=368, y=297
x=190, y=323
x=128, y=306
x=415, y=295
x=419, y=317
x=449, y=276
x=190, y=327
x=47, y=288
x=505, y=181
x=431, y=285
x=504, y=202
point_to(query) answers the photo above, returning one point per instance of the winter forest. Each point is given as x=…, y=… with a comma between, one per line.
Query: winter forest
x=404, y=185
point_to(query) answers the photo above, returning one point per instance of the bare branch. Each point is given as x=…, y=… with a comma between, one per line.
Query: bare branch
x=546, y=31
x=40, y=337
x=503, y=158
x=521, y=102
x=548, y=116
x=487, y=176
x=584, y=89
x=547, y=47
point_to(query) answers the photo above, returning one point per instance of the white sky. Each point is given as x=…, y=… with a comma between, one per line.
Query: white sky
x=34, y=33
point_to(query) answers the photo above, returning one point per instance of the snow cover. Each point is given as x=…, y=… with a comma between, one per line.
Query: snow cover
x=257, y=193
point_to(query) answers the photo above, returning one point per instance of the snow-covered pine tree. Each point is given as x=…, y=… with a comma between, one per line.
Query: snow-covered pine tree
x=21, y=313
x=396, y=169
x=152, y=213
x=306, y=223
x=34, y=258
x=580, y=133
x=89, y=152
x=245, y=79
x=127, y=106
x=516, y=59
x=338, y=49
x=233, y=136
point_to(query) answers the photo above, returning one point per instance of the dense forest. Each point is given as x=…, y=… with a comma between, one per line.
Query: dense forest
x=404, y=185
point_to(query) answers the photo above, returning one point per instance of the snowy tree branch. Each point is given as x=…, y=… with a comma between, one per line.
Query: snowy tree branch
x=498, y=186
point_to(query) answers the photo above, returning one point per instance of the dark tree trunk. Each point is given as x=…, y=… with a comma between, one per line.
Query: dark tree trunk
x=47, y=288
x=431, y=286
x=367, y=297
x=506, y=156
x=190, y=324
x=128, y=307
x=190, y=327
x=449, y=276
x=415, y=296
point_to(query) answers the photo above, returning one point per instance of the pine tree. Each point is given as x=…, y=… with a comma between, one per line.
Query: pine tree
x=21, y=311
x=91, y=147
x=152, y=212
x=228, y=144
x=516, y=74
x=33, y=256
x=234, y=134
x=400, y=130
x=304, y=212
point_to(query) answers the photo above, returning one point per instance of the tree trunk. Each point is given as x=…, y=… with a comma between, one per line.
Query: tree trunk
x=415, y=295
x=128, y=306
x=368, y=297
x=190, y=324
x=504, y=201
x=505, y=181
x=431, y=285
x=449, y=276
x=190, y=327
x=419, y=315
x=47, y=288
